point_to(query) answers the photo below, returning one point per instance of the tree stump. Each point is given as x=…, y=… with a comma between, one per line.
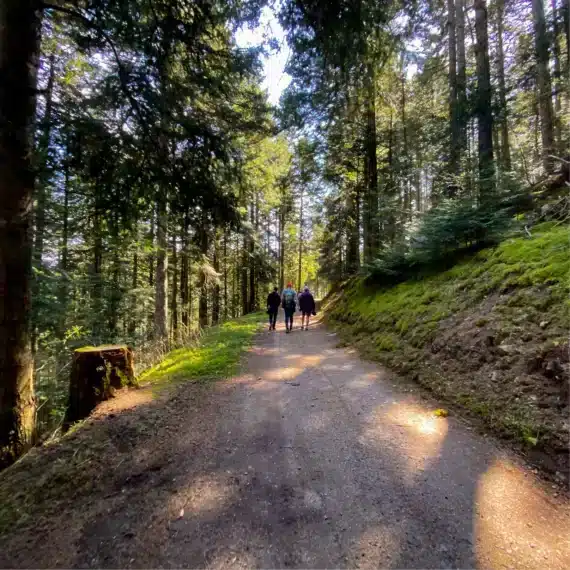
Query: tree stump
x=96, y=373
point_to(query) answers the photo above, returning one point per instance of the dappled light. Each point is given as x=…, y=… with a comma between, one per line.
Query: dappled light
x=305, y=360
x=209, y=494
x=506, y=502
x=377, y=545
x=129, y=399
x=410, y=427
x=281, y=374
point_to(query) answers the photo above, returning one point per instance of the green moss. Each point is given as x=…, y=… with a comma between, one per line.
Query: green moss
x=516, y=286
x=217, y=355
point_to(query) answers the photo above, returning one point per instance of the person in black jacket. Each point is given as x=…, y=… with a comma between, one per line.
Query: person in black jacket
x=273, y=302
x=307, y=307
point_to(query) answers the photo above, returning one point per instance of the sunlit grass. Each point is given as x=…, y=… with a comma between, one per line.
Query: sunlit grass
x=217, y=354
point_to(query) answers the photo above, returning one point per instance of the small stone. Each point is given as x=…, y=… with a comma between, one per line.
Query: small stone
x=544, y=324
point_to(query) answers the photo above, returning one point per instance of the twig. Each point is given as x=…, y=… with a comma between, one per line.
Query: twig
x=527, y=232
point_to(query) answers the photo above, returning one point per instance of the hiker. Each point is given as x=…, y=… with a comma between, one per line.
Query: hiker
x=307, y=307
x=273, y=302
x=289, y=301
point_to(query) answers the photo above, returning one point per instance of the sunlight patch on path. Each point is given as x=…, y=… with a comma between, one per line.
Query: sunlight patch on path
x=506, y=501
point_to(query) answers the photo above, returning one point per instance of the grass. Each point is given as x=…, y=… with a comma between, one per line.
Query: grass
x=51, y=477
x=517, y=292
x=217, y=354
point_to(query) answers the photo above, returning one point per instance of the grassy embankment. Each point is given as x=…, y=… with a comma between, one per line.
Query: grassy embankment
x=490, y=334
x=81, y=464
x=217, y=355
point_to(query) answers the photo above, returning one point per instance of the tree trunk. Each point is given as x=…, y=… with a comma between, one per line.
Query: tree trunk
x=300, y=252
x=184, y=272
x=64, y=259
x=484, y=107
x=252, y=269
x=352, y=249
x=566, y=21
x=461, y=76
x=96, y=373
x=244, y=266
x=558, y=84
x=134, y=285
x=41, y=191
x=19, y=49
x=453, y=118
x=203, y=302
x=225, y=274
x=544, y=85
x=161, y=281
x=281, y=248
x=503, y=111
x=217, y=288
x=371, y=244
x=96, y=277
x=174, y=298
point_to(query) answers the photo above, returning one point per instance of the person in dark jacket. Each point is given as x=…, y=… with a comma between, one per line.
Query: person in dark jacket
x=307, y=307
x=273, y=302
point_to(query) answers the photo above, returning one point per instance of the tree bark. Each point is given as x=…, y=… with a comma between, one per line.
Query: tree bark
x=217, y=288
x=161, y=280
x=544, y=85
x=134, y=285
x=225, y=274
x=19, y=50
x=96, y=373
x=453, y=118
x=371, y=234
x=461, y=76
x=282, y=247
x=300, y=251
x=503, y=111
x=484, y=107
x=184, y=272
x=558, y=84
x=43, y=149
x=252, y=269
x=244, y=266
x=64, y=259
x=174, y=298
x=203, y=302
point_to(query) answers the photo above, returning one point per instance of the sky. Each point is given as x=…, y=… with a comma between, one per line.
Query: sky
x=276, y=80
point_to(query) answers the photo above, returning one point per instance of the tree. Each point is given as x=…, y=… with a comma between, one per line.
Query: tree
x=544, y=85
x=484, y=107
x=19, y=51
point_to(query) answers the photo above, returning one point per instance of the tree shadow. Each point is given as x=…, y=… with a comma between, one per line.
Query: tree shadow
x=334, y=467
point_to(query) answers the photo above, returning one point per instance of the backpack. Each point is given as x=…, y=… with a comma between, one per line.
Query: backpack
x=288, y=299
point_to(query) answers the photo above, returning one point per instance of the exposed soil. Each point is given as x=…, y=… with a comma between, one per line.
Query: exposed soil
x=500, y=360
x=310, y=459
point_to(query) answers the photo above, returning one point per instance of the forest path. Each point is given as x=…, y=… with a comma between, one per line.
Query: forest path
x=311, y=459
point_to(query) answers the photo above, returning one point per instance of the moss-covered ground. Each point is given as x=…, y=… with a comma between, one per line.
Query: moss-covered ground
x=490, y=334
x=217, y=354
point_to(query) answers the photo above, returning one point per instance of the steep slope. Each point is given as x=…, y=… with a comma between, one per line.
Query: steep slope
x=490, y=335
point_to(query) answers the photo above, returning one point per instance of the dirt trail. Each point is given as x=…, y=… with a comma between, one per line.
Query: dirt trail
x=311, y=459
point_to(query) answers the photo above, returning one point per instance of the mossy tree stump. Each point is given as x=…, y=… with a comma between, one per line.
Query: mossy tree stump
x=96, y=373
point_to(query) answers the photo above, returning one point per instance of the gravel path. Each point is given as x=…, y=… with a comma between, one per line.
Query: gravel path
x=312, y=459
